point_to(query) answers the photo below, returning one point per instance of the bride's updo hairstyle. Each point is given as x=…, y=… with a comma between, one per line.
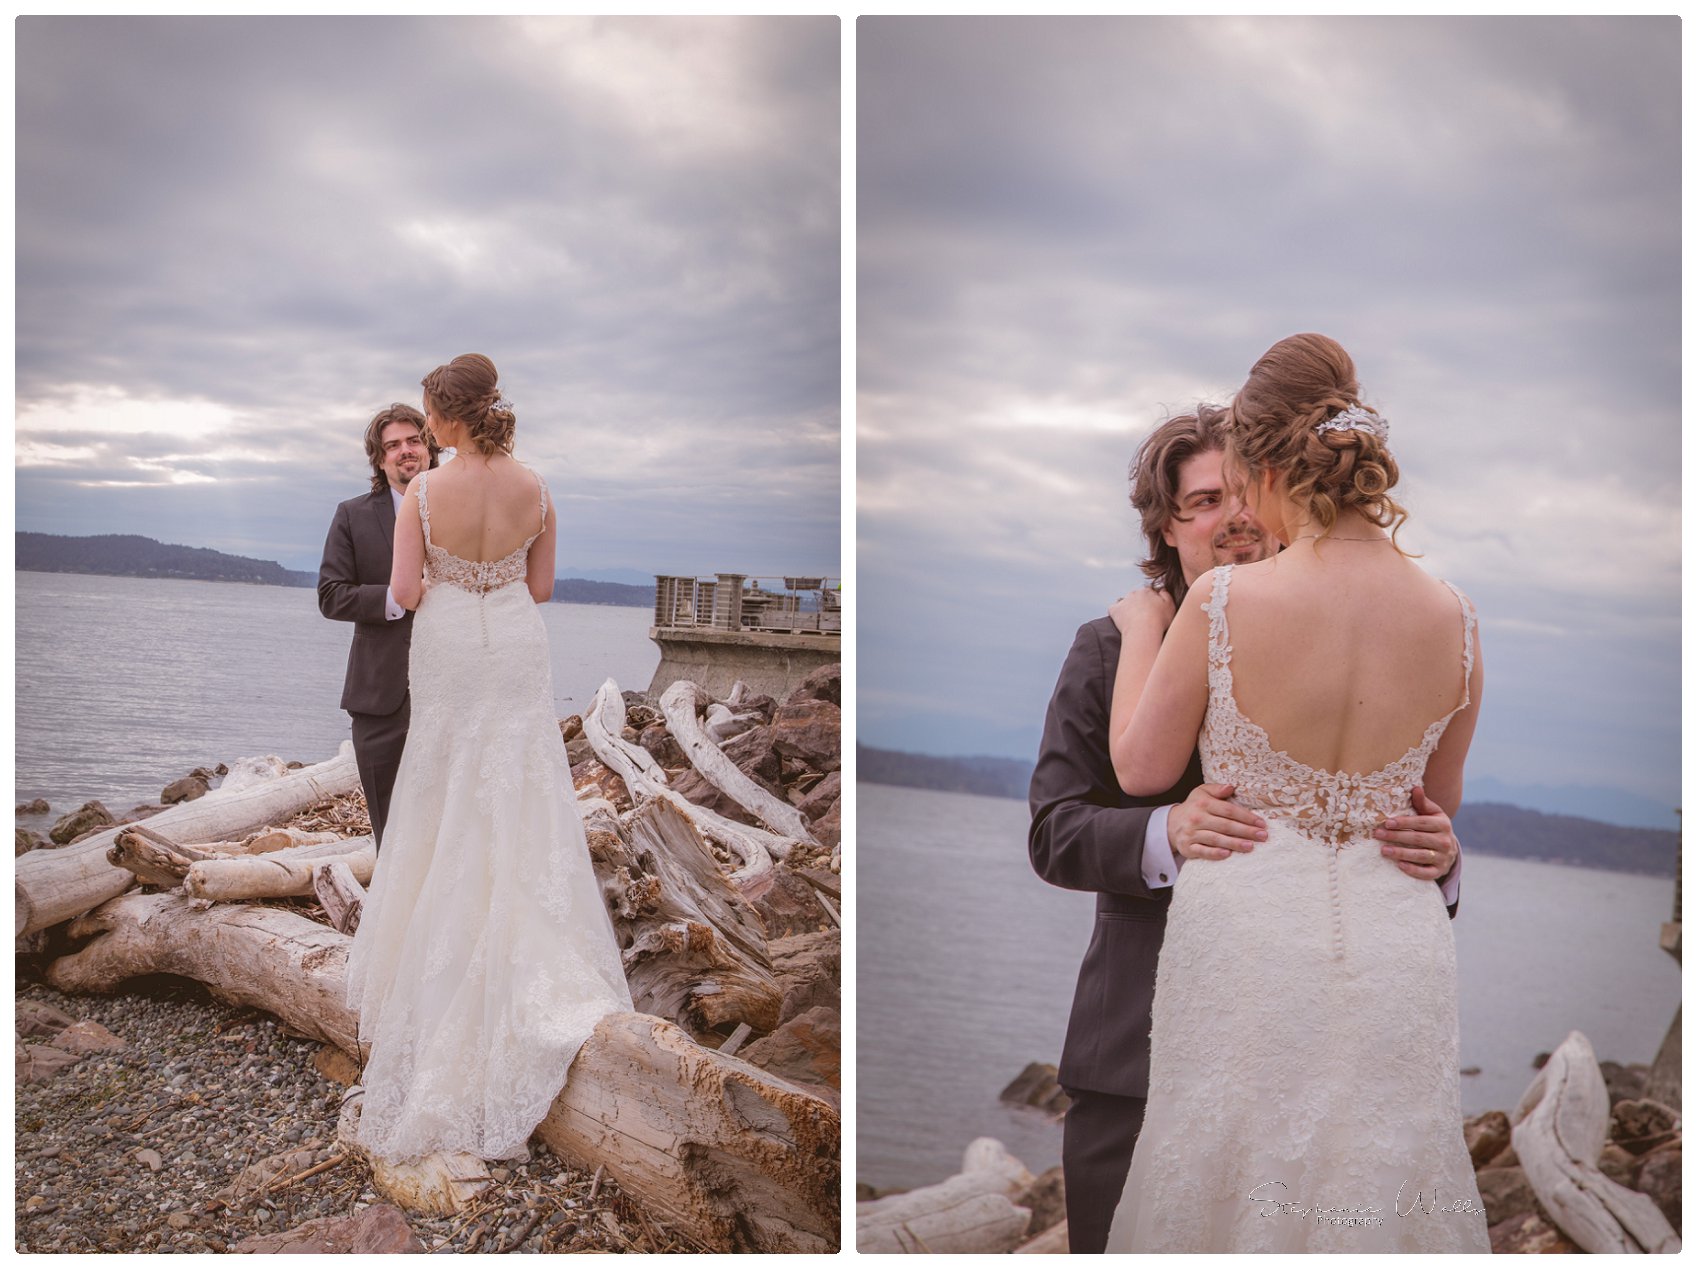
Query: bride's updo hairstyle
x=465, y=390
x=1298, y=384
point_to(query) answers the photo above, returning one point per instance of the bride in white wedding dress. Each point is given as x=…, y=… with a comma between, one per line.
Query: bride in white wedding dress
x=485, y=955
x=1304, y=1090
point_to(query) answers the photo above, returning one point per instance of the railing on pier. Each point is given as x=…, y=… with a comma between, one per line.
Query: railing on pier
x=738, y=601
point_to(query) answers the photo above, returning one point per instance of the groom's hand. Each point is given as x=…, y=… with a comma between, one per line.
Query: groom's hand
x=1208, y=826
x=1423, y=845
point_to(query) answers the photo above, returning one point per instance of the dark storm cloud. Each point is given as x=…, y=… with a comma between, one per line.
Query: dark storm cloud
x=295, y=219
x=1070, y=228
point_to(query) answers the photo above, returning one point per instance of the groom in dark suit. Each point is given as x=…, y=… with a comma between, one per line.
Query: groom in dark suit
x=1086, y=834
x=353, y=585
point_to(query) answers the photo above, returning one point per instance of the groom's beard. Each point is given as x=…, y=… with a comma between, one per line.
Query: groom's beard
x=1241, y=541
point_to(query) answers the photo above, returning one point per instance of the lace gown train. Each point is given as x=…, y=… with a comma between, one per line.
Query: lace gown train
x=1304, y=1087
x=485, y=955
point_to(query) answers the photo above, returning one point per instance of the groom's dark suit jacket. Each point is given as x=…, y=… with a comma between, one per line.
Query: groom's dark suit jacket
x=353, y=584
x=1087, y=834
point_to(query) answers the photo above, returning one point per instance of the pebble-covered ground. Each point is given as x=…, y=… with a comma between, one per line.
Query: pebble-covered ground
x=135, y=1150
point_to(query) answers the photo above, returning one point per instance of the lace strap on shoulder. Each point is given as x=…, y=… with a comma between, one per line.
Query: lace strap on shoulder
x=1219, y=650
x=423, y=503
x=541, y=499
x=1469, y=627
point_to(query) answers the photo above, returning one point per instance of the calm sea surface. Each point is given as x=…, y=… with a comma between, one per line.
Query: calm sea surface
x=966, y=965
x=126, y=683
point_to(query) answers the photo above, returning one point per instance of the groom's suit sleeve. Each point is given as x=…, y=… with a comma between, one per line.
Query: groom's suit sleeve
x=1082, y=836
x=341, y=596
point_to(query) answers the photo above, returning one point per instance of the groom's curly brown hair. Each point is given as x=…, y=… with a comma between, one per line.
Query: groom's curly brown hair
x=1154, y=487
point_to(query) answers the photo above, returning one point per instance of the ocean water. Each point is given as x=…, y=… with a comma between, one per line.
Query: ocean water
x=966, y=964
x=126, y=683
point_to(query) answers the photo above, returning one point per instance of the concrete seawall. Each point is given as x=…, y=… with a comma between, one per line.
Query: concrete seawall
x=770, y=663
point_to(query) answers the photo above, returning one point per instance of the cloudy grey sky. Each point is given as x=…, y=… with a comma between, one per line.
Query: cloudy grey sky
x=1070, y=228
x=238, y=238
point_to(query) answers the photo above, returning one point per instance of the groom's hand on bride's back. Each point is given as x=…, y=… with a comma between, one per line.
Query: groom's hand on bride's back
x=1423, y=845
x=1208, y=825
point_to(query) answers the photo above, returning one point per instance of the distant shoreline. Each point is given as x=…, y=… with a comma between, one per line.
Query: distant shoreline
x=131, y=555
x=1498, y=829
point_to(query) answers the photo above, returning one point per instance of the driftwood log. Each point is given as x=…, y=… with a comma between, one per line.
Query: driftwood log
x=736, y=1158
x=280, y=874
x=693, y=949
x=269, y=958
x=972, y=1211
x=602, y=724
x=340, y=894
x=1560, y=1127
x=751, y=1162
x=153, y=858
x=52, y=886
x=677, y=703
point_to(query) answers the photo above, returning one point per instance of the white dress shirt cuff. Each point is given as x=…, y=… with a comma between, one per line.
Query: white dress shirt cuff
x=392, y=610
x=1160, y=868
x=1452, y=884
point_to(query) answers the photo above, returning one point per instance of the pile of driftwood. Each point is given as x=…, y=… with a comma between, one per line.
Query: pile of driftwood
x=726, y=908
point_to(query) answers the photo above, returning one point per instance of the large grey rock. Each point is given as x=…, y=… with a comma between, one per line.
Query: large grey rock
x=1047, y=1199
x=87, y=818
x=1037, y=1085
x=36, y=1019
x=811, y=731
x=38, y=1063
x=790, y=906
x=823, y=684
x=663, y=747
x=1506, y=1194
x=187, y=789
x=380, y=1229
x=87, y=1037
x=1530, y=1233
x=1642, y=1125
x=1487, y=1136
x=1659, y=1177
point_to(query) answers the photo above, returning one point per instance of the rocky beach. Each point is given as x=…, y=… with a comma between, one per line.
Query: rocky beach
x=161, y=1115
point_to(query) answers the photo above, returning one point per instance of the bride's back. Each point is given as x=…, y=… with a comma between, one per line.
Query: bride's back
x=1344, y=655
x=484, y=509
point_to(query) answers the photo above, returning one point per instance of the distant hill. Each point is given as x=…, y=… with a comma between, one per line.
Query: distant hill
x=580, y=590
x=130, y=555
x=1491, y=828
x=988, y=777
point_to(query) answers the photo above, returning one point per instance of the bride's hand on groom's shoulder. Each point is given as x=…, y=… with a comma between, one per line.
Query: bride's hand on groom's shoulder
x=1208, y=825
x=1145, y=604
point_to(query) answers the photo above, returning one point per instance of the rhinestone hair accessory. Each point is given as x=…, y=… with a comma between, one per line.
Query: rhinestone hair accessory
x=1358, y=418
x=501, y=403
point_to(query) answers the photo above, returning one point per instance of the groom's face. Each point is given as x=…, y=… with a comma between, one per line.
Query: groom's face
x=404, y=454
x=1212, y=527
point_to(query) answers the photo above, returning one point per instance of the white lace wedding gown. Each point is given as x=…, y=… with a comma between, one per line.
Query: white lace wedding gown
x=485, y=955
x=1304, y=1091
